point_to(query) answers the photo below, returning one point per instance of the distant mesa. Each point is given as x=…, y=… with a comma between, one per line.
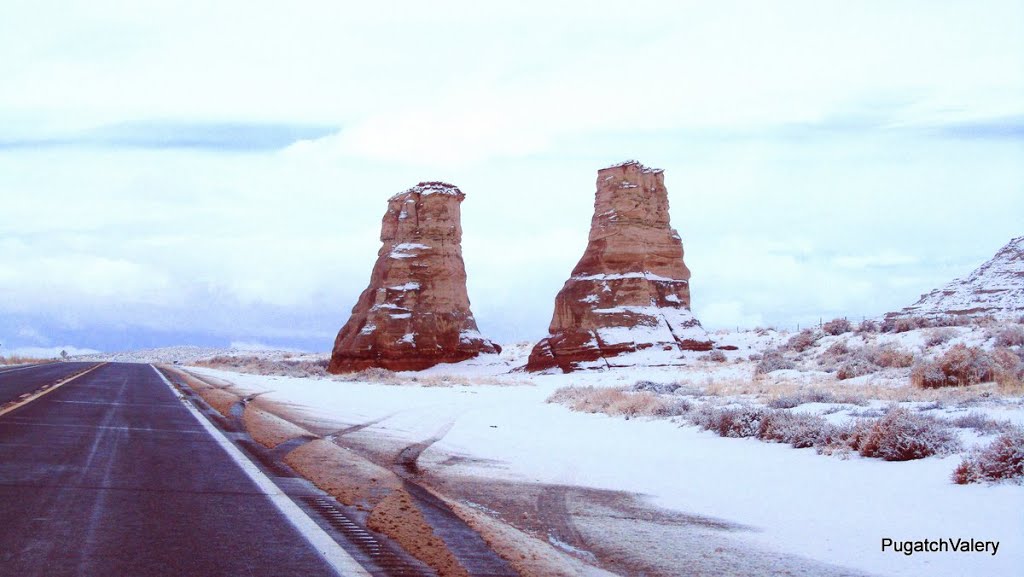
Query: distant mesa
x=994, y=289
x=415, y=312
x=630, y=293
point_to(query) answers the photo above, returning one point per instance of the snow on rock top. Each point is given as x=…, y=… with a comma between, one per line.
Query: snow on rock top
x=635, y=164
x=431, y=187
x=996, y=289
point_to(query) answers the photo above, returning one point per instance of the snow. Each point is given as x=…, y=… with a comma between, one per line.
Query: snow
x=995, y=288
x=408, y=338
x=794, y=500
x=469, y=336
x=390, y=306
x=368, y=329
x=619, y=276
x=403, y=250
x=637, y=163
x=431, y=188
x=409, y=286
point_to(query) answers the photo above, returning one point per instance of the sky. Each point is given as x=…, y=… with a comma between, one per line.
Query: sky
x=215, y=173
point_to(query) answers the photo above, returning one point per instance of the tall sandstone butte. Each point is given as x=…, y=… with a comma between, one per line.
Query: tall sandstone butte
x=630, y=292
x=415, y=313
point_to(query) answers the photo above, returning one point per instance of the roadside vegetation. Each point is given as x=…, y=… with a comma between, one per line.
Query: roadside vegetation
x=20, y=360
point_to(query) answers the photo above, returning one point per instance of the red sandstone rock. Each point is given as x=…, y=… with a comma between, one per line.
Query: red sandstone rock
x=415, y=313
x=630, y=292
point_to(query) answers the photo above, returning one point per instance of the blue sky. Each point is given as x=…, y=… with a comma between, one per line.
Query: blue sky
x=180, y=173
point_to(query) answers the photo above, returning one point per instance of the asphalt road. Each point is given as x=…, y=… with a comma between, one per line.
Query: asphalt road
x=18, y=381
x=111, y=475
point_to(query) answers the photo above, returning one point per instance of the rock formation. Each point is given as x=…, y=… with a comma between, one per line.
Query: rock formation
x=630, y=292
x=415, y=313
x=995, y=289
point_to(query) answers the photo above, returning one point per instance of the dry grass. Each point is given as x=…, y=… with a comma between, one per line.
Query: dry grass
x=20, y=360
x=260, y=366
x=616, y=401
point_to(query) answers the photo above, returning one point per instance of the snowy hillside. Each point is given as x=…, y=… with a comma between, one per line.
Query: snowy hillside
x=995, y=288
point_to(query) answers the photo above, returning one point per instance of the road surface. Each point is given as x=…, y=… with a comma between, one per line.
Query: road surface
x=110, y=475
x=18, y=381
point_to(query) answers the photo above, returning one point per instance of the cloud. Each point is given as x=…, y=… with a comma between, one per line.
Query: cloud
x=160, y=135
x=46, y=352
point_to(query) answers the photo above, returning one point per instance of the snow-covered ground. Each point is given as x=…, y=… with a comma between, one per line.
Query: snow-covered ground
x=827, y=508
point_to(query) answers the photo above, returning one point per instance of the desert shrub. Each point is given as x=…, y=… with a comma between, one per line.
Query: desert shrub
x=979, y=422
x=837, y=327
x=755, y=356
x=938, y=336
x=659, y=388
x=855, y=367
x=959, y=366
x=1009, y=369
x=902, y=436
x=908, y=323
x=773, y=361
x=771, y=425
x=795, y=429
x=803, y=340
x=1001, y=460
x=1010, y=336
x=716, y=356
x=785, y=402
x=833, y=355
x=732, y=422
x=801, y=397
x=867, y=326
x=671, y=408
x=837, y=349
x=889, y=355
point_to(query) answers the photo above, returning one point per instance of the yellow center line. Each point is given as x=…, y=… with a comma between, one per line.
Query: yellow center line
x=46, y=389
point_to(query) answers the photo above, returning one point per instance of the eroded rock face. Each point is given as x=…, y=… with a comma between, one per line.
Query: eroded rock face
x=994, y=289
x=630, y=293
x=415, y=313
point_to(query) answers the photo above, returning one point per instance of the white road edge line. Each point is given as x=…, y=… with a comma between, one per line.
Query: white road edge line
x=339, y=559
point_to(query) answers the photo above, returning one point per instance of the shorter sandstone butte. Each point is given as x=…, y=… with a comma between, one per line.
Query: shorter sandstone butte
x=631, y=290
x=415, y=313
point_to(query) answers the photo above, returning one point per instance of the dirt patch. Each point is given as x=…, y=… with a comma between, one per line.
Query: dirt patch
x=357, y=482
x=398, y=517
x=268, y=429
x=213, y=391
x=348, y=477
x=219, y=399
x=529, y=556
